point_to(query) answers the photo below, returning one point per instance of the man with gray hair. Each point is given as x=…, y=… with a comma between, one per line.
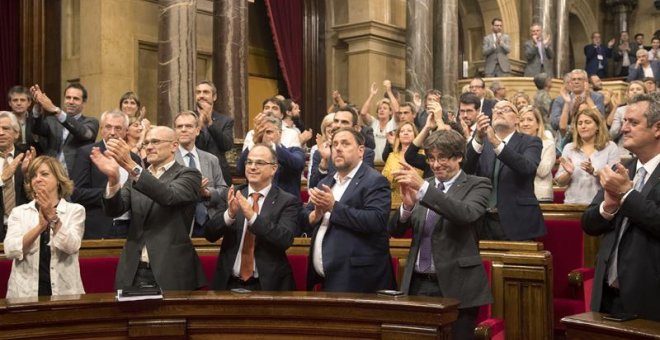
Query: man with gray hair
x=11, y=181
x=90, y=182
x=625, y=213
x=538, y=52
x=575, y=83
x=444, y=211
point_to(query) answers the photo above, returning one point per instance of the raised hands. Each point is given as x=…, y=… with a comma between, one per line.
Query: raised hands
x=42, y=100
x=106, y=164
x=323, y=147
x=567, y=164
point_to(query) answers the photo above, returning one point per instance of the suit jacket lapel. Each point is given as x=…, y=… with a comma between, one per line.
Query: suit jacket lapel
x=651, y=181
x=179, y=158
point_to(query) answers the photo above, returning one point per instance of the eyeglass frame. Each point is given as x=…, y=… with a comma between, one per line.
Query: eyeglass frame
x=155, y=142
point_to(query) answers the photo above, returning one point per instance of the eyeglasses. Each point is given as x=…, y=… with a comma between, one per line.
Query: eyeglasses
x=476, y=86
x=155, y=142
x=431, y=160
x=504, y=109
x=258, y=163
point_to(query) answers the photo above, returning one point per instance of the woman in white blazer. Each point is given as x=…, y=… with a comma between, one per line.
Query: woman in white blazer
x=531, y=123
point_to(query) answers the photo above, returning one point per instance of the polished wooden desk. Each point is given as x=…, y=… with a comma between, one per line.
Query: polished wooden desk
x=227, y=315
x=591, y=326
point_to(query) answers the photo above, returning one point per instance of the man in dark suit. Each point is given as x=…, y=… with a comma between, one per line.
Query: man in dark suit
x=509, y=159
x=597, y=55
x=445, y=212
x=576, y=83
x=347, y=216
x=478, y=87
x=158, y=250
x=322, y=164
x=20, y=101
x=255, y=237
x=538, y=52
x=290, y=160
x=90, y=183
x=644, y=68
x=11, y=181
x=217, y=133
x=625, y=214
x=213, y=192
x=63, y=132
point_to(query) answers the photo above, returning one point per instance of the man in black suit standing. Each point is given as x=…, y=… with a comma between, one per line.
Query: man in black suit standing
x=11, y=181
x=478, y=87
x=62, y=132
x=158, y=250
x=90, y=183
x=217, y=133
x=626, y=214
x=445, y=212
x=509, y=159
x=347, y=216
x=20, y=101
x=257, y=228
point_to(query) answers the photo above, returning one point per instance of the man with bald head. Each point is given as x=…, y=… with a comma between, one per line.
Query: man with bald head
x=162, y=199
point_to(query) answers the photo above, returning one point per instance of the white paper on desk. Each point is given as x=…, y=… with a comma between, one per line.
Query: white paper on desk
x=120, y=297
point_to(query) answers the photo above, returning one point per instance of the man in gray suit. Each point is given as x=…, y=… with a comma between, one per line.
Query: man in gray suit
x=444, y=212
x=158, y=250
x=538, y=52
x=213, y=191
x=496, y=50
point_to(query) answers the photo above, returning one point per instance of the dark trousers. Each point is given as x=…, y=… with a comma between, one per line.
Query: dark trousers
x=144, y=276
x=250, y=284
x=427, y=285
x=119, y=229
x=611, y=301
x=492, y=228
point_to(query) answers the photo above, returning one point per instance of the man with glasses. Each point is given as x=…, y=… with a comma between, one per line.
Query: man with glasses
x=509, y=159
x=158, y=250
x=257, y=228
x=90, y=182
x=576, y=84
x=213, y=191
x=291, y=160
x=445, y=212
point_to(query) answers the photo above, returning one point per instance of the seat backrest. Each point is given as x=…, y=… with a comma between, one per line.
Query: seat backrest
x=98, y=273
x=208, y=265
x=299, y=267
x=5, y=270
x=485, y=310
x=565, y=240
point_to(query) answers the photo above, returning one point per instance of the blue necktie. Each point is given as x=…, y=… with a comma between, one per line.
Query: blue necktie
x=425, y=256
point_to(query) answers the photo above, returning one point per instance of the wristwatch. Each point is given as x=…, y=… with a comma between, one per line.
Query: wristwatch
x=52, y=223
x=136, y=171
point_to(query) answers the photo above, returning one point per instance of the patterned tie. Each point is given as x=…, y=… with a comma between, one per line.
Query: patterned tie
x=612, y=273
x=8, y=190
x=425, y=256
x=247, y=254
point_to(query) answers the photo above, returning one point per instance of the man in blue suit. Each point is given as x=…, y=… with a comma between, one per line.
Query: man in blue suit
x=347, y=216
x=576, y=83
x=597, y=55
x=644, y=68
x=509, y=159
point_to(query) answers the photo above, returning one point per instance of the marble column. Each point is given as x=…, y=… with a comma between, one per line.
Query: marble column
x=177, y=50
x=445, y=46
x=543, y=13
x=562, y=62
x=419, y=45
x=621, y=10
x=230, y=55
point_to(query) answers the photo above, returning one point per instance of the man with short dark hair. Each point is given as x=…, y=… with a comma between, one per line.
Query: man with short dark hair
x=625, y=214
x=272, y=107
x=213, y=192
x=216, y=135
x=347, y=217
x=478, y=87
x=444, y=211
x=496, y=48
x=322, y=164
x=257, y=228
x=20, y=101
x=63, y=132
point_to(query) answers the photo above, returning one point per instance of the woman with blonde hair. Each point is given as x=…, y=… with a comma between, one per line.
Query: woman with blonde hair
x=582, y=159
x=531, y=123
x=135, y=136
x=403, y=137
x=520, y=99
x=44, y=235
x=321, y=138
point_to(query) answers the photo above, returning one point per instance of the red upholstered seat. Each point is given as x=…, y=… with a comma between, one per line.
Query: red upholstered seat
x=558, y=195
x=485, y=319
x=208, y=265
x=565, y=240
x=98, y=274
x=299, y=267
x=5, y=270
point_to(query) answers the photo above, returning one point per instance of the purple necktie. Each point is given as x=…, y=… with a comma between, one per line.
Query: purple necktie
x=425, y=256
